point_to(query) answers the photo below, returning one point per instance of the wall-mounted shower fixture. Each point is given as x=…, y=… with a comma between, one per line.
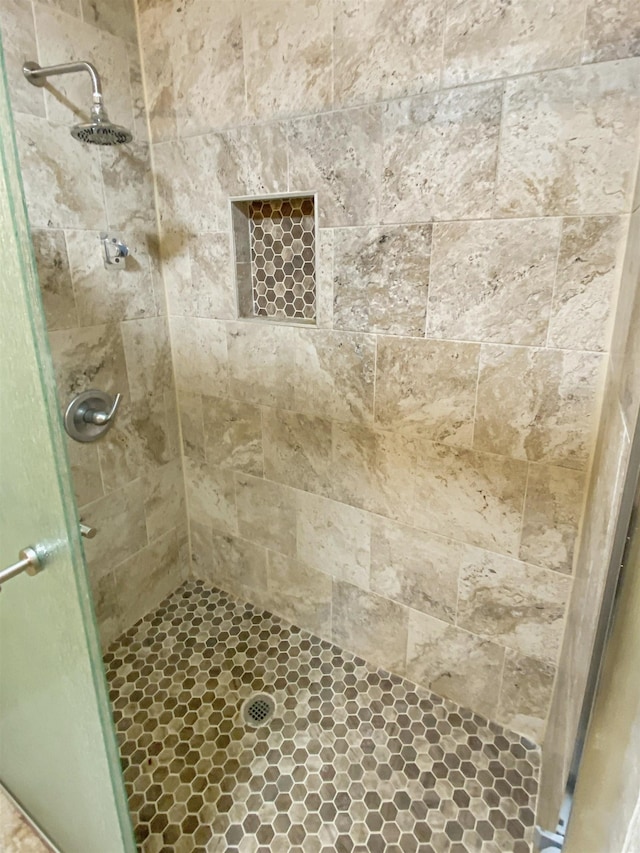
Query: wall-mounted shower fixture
x=99, y=130
x=90, y=415
x=115, y=250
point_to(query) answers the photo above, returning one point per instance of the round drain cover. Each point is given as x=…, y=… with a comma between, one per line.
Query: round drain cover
x=258, y=709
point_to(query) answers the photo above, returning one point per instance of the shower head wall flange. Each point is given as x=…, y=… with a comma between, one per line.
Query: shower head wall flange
x=99, y=130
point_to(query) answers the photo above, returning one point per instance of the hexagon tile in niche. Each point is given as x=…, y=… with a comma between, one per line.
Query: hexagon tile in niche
x=354, y=759
x=275, y=258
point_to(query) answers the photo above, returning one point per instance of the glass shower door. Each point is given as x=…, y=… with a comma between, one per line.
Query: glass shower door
x=58, y=752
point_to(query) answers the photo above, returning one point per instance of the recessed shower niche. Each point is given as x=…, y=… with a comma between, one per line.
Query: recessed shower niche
x=275, y=256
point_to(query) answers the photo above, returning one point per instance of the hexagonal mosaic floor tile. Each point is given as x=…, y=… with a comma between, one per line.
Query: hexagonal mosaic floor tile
x=353, y=759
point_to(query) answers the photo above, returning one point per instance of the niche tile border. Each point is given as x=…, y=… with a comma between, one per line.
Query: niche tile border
x=275, y=257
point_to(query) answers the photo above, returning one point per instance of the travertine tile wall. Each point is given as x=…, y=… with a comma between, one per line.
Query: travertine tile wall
x=407, y=478
x=610, y=466
x=107, y=330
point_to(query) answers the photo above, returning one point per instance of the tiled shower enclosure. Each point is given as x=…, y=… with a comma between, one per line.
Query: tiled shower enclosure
x=360, y=338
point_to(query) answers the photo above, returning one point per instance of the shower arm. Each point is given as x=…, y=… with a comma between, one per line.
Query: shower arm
x=36, y=75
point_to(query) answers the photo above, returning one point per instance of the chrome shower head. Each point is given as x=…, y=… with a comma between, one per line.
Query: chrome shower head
x=98, y=131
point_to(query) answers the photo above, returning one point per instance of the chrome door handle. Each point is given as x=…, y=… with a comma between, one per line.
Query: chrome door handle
x=29, y=562
x=99, y=418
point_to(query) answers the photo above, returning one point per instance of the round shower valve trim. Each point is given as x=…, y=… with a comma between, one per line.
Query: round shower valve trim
x=90, y=415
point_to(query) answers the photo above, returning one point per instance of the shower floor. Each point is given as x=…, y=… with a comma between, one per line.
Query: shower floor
x=354, y=759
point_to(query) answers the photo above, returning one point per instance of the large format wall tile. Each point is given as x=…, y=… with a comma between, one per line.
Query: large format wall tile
x=589, y=265
x=261, y=362
x=512, y=603
x=612, y=30
x=568, y=143
x=440, y=154
x=527, y=684
x=537, y=404
x=211, y=495
x=299, y=593
x=233, y=435
x=210, y=291
x=297, y=449
x=266, y=513
x=338, y=155
x=416, y=568
x=128, y=186
x=475, y=497
x=484, y=40
x=234, y=564
x=454, y=663
x=551, y=516
x=334, y=538
x=200, y=355
x=383, y=49
x=493, y=281
x=429, y=386
x=50, y=251
x=287, y=55
x=381, y=279
x=19, y=44
x=370, y=626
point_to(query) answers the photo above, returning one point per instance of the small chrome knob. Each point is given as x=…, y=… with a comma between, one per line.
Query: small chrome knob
x=90, y=415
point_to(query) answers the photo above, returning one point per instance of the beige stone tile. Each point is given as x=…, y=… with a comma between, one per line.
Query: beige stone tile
x=266, y=513
x=107, y=609
x=525, y=694
x=493, y=281
x=427, y=385
x=69, y=99
x=551, y=516
x=157, y=23
x=200, y=355
x=19, y=41
x=324, y=278
x=117, y=17
x=369, y=625
x=164, y=503
x=105, y=296
x=233, y=435
x=297, y=449
x=144, y=580
x=236, y=566
x=261, y=359
x=612, y=30
x=567, y=143
x=182, y=206
x=57, y=196
x=415, y=568
x=383, y=49
x=140, y=127
x=287, y=56
x=339, y=156
x=210, y=291
x=85, y=471
x=55, y=279
x=381, y=279
x=120, y=524
x=176, y=272
x=589, y=266
x=211, y=495
x=537, y=404
x=474, y=497
x=201, y=53
x=512, y=603
x=299, y=594
x=192, y=424
x=372, y=469
x=334, y=538
x=201, y=552
x=148, y=357
x=454, y=663
x=440, y=154
x=625, y=343
x=88, y=358
x=128, y=186
x=334, y=374
x=483, y=40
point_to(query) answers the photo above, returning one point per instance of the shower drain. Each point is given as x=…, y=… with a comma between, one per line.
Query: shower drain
x=257, y=710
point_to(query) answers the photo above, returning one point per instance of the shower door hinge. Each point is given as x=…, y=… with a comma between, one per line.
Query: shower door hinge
x=115, y=250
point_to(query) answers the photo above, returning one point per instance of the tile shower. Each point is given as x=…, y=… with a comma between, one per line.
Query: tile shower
x=400, y=472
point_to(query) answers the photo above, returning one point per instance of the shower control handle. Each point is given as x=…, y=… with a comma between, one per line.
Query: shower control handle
x=91, y=414
x=94, y=416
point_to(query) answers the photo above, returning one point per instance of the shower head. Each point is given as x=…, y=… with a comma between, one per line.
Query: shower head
x=99, y=130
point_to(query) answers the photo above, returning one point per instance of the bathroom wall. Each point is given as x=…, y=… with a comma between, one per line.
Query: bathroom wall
x=618, y=422
x=107, y=330
x=406, y=478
